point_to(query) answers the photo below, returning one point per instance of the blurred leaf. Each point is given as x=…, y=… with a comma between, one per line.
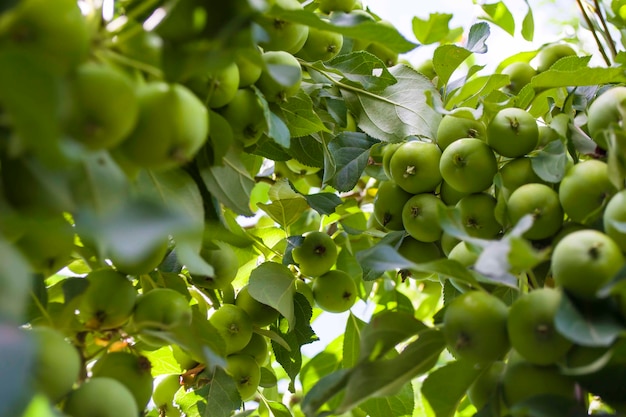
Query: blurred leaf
x=549, y=406
x=499, y=14
x=216, y=399
x=385, y=331
x=350, y=151
x=278, y=409
x=220, y=137
x=102, y=186
x=349, y=25
x=16, y=368
x=15, y=283
x=361, y=69
x=432, y=30
x=383, y=377
x=230, y=183
x=178, y=192
x=592, y=325
x=326, y=388
x=273, y=284
x=300, y=117
x=399, y=110
x=528, y=25
x=446, y=386
x=446, y=59
x=40, y=407
x=477, y=38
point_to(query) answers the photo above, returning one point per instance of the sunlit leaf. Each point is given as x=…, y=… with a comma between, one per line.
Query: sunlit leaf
x=446, y=386
x=273, y=284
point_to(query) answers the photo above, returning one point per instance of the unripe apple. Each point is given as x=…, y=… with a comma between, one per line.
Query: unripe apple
x=131, y=370
x=108, y=301
x=316, y=254
x=101, y=397
x=57, y=363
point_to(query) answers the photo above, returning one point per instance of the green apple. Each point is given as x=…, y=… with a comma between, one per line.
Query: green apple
x=523, y=380
x=327, y=6
x=108, y=301
x=283, y=35
x=316, y=254
x=57, y=363
x=485, y=387
x=261, y=314
x=104, y=106
x=246, y=373
x=132, y=371
x=606, y=110
x=531, y=327
x=420, y=218
x=520, y=74
x=585, y=260
x=160, y=309
x=47, y=243
x=222, y=85
x=141, y=264
x=55, y=32
x=478, y=215
x=173, y=124
x=513, y=132
x=234, y=325
x=164, y=392
x=517, y=172
x=449, y=195
x=542, y=203
x=246, y=117
x=281, y=76
x=474, y=326
x=257, y=348
x=614, y=215
x=585, y=190
x=549, y=54
x=418, y=252
x=459, y=125
x=335, y=291
x=388, y=204
x=101, y=397
x=468, y=165
x=222, y=257
x=321, y=45
x=250, y=65
x=414, y=167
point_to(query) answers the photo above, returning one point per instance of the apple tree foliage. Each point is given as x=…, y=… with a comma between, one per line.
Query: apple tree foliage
x=186, y=185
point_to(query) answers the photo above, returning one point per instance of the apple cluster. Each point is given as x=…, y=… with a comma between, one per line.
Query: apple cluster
x=484, y=168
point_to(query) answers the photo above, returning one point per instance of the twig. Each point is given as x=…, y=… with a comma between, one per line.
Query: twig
x=593, y=32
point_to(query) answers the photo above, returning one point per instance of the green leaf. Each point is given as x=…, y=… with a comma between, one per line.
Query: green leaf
x=550, y=163
x=278, y=409
x=323, y=203
x=400, y=404
x=103, y=186
x=162, y=361
x=268, y=148
x=472, y=91
x=350, y=151
x=595, y=325
x=387, y=376
x=348, y=25
x=381, y=258
x=15, y=283
x=528, y=25
x=385, y=331
x=230, y=183
x=277, y=129
x=499, y=14
x=352, y=341
x=446, y=59
x=308, y=150
x=300, y=117
x=273, y=284
x=577, y=76
x=399, y=110
x=287, y=211
x=361, y=69
x=302, y=334
x=324, y=390
x=477, y=38
x=435, y=29
x=445, y=387
x=216, y=399
x=15, y=377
